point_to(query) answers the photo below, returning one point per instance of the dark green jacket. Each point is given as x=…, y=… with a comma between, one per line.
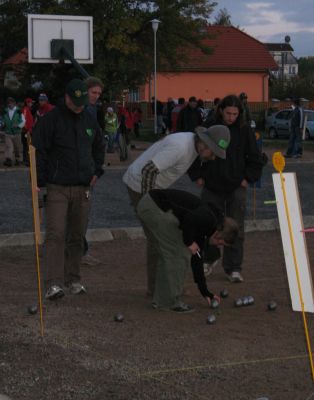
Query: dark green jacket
x=11, y=125
x=69, y=148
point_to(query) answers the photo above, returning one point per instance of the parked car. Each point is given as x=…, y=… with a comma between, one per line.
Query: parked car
x=278, y=124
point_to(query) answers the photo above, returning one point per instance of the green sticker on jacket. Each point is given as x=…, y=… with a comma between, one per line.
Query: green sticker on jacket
x=89, y=132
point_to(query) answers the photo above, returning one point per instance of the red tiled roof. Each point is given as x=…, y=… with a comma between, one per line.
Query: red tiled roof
x=17, y=58
x=233, y=50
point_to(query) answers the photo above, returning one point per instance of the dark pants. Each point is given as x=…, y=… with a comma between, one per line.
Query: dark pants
x=295, y=142
x=234, y=205
x=66, y=221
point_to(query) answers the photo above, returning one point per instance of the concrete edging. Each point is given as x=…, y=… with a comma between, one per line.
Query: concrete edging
x=104, y=235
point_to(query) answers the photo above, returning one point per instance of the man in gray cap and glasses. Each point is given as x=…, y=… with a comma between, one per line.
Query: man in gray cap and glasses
x=165, y=162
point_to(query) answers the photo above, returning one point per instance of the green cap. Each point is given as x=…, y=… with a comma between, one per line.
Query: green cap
x=77, y=91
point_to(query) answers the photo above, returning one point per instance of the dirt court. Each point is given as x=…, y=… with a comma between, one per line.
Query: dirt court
x=247, y=354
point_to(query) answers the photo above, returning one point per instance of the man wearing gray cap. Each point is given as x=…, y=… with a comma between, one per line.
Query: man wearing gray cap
x=70, y=153
x=165, y=162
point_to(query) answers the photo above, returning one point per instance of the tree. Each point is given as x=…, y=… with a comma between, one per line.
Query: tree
x=123, y=38
x=223, y=18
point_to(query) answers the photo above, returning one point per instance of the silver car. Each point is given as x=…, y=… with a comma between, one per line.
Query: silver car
x=278, y=124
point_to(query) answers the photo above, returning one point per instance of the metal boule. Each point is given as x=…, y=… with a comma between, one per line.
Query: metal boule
x=272, y=305
x=119, y=317
x=32, y=309
x=211, y=319
x=214, y=303
x=238, y=302
x=224, y=293
x=245, y=301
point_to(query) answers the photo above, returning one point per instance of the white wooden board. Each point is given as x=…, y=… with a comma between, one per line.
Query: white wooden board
x=299, y=239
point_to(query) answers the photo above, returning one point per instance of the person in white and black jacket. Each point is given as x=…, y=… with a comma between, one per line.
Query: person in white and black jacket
x=177, y=222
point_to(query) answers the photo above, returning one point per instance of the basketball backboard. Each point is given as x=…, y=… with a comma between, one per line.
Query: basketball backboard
x=44, y=29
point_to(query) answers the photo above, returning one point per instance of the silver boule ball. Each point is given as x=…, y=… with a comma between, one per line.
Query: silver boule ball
x=119, y=317
x=214, y=303
x=272, y=305
x=245, y=301
x=211, y=319
x=238, y=302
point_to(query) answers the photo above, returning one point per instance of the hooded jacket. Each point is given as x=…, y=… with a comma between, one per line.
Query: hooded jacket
x=69, y=148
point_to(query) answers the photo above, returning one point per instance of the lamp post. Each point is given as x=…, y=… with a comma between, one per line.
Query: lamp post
x=155, y=23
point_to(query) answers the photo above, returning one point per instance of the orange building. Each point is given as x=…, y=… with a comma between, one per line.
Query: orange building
x=239, y=63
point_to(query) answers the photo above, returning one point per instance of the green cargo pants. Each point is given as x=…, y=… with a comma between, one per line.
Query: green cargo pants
x=173, y=256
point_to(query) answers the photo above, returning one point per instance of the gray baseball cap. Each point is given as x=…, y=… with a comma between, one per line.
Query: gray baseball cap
x=217, y=138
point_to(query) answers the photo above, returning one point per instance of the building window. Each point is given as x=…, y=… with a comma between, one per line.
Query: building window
x=134, y=95
x=292, y=70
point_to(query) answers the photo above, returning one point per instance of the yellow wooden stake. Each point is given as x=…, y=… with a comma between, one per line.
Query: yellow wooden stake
x=37, y=233
x=279, y=164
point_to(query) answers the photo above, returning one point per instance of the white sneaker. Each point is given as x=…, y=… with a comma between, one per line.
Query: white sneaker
x=76, y=288
x=54, y=292
x=235, y=277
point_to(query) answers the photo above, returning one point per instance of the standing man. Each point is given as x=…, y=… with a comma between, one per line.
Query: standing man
x=14, y=121
x=70, y=152
x=247, y=117
x=296, y=128
x=44, y=107
x=165, y=162
x=189, y=117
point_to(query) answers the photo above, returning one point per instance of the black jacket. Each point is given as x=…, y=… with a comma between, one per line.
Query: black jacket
x=69, y=148
x=197, y=221
x=188, y=119
x=243, y=161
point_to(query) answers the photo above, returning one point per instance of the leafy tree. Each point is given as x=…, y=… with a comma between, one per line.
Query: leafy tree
x=123, y=36
x=223, y=18
x=306, y=67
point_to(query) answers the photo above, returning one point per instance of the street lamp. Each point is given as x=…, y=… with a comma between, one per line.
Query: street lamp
x=155, y=23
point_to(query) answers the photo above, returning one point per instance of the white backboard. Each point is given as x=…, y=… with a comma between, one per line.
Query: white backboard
x=295, y=213
x=44, y=28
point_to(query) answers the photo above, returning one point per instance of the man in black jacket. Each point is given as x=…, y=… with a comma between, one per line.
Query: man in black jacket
x=70, y=153
x=189, y=117
x=178, y=223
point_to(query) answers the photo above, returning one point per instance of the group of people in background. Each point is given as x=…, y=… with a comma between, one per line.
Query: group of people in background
x=19, y=118
x=182, y=116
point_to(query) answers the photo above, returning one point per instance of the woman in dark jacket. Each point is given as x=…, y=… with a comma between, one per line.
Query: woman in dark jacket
x=225, y=182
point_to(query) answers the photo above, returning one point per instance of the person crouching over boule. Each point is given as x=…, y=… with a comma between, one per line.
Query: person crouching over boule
x=178, y=222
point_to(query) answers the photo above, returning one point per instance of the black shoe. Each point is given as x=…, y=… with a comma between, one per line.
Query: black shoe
x=297, y=156
x=287, y=155
x=17, y=162
x=8, y=162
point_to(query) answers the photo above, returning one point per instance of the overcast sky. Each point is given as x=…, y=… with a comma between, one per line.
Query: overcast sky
x=271, y=21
